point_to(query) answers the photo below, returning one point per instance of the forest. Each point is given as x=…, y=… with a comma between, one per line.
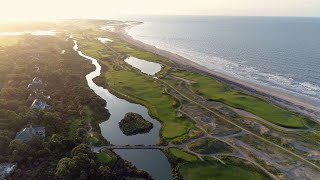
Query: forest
x=61, y=154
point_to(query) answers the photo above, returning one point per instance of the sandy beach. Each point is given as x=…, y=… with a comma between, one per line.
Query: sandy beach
x=282, y=99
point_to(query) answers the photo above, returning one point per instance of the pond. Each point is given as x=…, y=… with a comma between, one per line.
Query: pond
x=104, y=40
x=144, y=66
x=151, y=160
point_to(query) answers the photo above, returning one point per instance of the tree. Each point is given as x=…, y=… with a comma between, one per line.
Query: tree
x=82, y=148
x=4, y=142
x=19, y=150
x=63, y=169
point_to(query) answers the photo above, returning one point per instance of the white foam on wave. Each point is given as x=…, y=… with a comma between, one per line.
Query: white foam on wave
x=242, y=71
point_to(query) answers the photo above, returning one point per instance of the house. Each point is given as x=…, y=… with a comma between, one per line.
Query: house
x=6, y=169
x=37, y=68
x=32, y=96
x=37, y=80
x=27, y=133
x=35, y=94
x=39, y=104
x=35, y=83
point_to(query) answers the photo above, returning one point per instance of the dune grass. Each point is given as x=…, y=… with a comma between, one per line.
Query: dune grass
x=215, y=90
x=210, y=146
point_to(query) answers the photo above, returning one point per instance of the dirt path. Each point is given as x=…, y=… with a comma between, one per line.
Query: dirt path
x=247, y=131
x=243, y=112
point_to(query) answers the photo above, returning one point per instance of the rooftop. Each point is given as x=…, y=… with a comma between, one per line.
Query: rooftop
x=6, y=169
x=27, y=133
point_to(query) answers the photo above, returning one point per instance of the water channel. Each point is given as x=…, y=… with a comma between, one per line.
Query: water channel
x=153, y=161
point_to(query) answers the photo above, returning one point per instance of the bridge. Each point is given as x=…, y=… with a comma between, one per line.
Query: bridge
x=97, y=149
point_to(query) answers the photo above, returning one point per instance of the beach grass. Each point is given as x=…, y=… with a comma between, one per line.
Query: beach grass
x=210, y=146
x=217, y=91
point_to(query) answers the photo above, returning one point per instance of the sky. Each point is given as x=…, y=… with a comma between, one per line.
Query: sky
x=43, y=9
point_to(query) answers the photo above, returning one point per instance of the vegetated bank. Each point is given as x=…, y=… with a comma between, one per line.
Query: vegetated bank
x=134, y=123
x=60, y=153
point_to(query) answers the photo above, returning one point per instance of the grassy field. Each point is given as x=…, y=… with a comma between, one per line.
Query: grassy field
x=215, y=90
x=182, y=154
x=212, y=170
x=210, y=146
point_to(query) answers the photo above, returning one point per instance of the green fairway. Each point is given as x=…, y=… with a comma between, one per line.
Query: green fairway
x=142, y=89
x=215, y=90
x=210, y=146
x=182, y=154
x=214, y=171
x=149, y=92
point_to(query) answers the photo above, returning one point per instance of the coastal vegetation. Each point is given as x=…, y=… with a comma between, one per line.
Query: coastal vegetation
x=150, y=93
x=139, y=87
x=216, y=91
x=194, y=106
x=134, y=123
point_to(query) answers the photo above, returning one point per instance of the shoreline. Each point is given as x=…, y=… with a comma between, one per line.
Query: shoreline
x=291, y=102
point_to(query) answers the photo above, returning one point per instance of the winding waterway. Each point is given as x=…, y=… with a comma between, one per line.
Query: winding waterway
x=143, y=158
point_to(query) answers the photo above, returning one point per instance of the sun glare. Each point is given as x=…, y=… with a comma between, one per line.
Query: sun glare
x=53, y=9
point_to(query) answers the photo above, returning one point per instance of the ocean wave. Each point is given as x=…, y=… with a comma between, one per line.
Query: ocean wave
x=286, y=83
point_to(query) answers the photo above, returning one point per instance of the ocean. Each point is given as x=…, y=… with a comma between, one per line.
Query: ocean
x=282, y=53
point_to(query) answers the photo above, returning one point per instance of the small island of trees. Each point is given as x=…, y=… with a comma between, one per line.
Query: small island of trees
x=134, y=123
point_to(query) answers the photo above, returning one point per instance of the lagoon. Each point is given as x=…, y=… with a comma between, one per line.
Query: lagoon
x=144, y=66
